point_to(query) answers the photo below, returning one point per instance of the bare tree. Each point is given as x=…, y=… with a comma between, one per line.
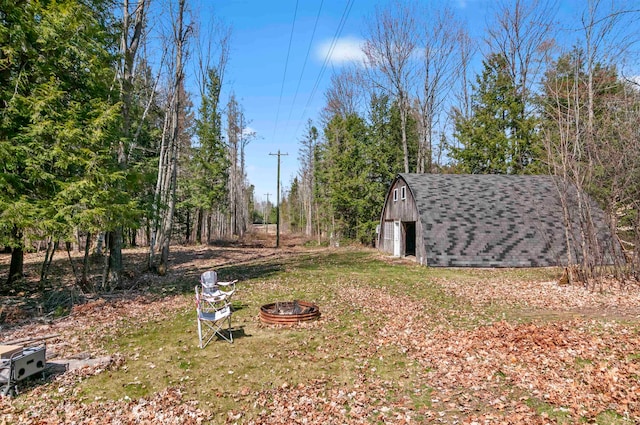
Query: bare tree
x=306, y=158
x=390, y=48
x=589, y=112
x=441, y=61
x=462, y=104
x=344, y=94
x=214, y=44
x=611, y=107
x=133, y=22
x=165, y=194
x=246, y=136
x=238, y=137
x=523, y=31
x=233, y=142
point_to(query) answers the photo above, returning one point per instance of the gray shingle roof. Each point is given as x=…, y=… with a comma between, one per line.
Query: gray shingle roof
x=491, y=220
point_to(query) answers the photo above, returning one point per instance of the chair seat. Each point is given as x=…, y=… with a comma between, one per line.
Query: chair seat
x=217, y=315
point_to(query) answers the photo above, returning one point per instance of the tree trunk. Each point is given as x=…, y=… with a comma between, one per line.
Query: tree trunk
x=46, y=265
x=403, y=128
x=129, y=43
x=16, y=268
x=168, y=219
x=157, y=196
x=199, y=227
x=68, y=246
x=133, y=239
x=187, y=232
x=180, y=38
x=85, y=263
x=115, y=258
x=107, y=262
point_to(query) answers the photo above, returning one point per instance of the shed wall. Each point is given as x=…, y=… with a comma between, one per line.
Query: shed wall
x=399, y=208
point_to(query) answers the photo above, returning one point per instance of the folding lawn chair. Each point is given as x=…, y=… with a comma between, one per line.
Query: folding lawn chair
x=214, y=291
x=213, y=319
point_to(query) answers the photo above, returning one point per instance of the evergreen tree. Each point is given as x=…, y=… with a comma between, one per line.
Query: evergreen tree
x=210, y=160
x=294, y=214
x=354, y=165
x=344, y=175
x=384, y=129
x=499, y=137
x=57, y=119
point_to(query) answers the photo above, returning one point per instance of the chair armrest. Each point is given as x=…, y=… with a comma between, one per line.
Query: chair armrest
x=233, y=282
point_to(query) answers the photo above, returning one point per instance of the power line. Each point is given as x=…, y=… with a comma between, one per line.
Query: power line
x=343, y=20
x=286, y=64
x=304, y=65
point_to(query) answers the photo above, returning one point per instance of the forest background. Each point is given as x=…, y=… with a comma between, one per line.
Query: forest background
x=102, y=146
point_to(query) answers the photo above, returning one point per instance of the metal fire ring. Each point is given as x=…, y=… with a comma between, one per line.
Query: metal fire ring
x=288, y=312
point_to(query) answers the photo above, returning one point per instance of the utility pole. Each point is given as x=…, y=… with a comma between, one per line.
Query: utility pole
x=264, y=214
x=278, y=200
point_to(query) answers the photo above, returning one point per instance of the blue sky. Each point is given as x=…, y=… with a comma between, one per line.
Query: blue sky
x=278, y=105
x=277, y=96
x=278, y=111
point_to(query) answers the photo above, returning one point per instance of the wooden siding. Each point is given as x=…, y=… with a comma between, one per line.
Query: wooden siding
x=399, y=208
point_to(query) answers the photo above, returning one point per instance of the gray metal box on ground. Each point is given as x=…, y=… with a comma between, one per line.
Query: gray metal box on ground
x=33, y=360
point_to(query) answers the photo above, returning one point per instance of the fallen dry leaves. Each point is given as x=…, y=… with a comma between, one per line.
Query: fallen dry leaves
x=580, y=367
x=576, y=367
x=96, y=318
x=612, y=300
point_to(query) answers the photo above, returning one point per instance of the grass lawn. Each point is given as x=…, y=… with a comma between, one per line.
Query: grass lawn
x=396, y=343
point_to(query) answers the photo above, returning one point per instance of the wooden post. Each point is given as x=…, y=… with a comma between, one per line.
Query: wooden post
x=278, y=201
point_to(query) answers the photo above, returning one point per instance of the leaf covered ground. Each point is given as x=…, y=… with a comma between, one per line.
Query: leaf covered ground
x=396, y=343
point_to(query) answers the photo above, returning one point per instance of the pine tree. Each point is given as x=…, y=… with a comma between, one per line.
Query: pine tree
x=210, y=164
x=57, y=119
x=499, y=137
x=345, y=172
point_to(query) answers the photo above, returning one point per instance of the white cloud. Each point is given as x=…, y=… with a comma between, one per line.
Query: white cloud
x=248, y=131
x=345, y=50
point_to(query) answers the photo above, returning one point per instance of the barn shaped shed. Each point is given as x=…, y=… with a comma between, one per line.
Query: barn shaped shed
x=453, y=220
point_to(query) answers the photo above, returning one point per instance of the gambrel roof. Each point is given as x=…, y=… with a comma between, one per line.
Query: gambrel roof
x=493, y=220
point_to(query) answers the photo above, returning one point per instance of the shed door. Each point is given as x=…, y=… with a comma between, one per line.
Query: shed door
x=410, y=237
x=396, y=238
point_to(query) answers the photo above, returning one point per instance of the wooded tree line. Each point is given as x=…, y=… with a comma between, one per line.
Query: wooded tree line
x=101, y=146
x=547, y=98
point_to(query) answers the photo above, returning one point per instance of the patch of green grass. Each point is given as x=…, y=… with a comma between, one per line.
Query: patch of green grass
x=557, y=414
x=160, y=354
x=582, y=362
x=611, y=417
x=634, y=356
x=339, y=351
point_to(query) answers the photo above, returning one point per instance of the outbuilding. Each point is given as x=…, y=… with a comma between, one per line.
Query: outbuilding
x=454, y=220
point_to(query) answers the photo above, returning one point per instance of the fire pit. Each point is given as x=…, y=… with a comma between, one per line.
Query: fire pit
x=289, y=312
